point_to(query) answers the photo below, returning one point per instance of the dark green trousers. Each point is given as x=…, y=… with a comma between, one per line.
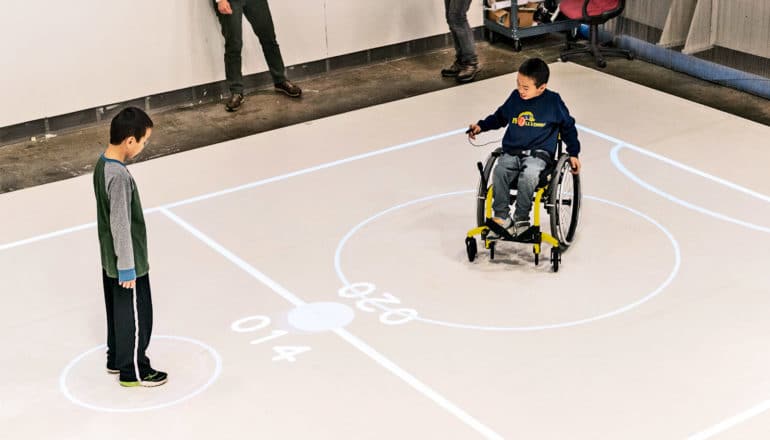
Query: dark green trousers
x=257, y=12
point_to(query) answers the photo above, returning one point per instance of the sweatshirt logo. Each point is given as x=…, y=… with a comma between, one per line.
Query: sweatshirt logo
x=527, y=119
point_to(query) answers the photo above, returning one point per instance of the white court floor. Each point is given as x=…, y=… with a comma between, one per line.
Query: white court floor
x=311, y=283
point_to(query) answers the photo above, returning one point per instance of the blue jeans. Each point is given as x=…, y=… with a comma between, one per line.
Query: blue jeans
x=508, y=167
x=462, y=34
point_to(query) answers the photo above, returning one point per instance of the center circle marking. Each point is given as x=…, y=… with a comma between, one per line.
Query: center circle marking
x=68, y=394
x=655, y=292
x=321, y=316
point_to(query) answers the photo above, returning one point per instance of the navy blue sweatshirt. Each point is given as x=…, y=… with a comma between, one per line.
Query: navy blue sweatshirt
x=534, y=124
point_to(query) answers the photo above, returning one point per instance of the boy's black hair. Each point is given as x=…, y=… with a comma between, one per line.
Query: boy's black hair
x=536, y=69
x=129, y=122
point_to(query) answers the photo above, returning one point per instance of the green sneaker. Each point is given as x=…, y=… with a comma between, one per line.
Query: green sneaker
x=153, y=379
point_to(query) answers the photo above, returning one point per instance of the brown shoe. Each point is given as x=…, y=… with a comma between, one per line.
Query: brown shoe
x=234, y=103
x=289, y=88
x=468, y=73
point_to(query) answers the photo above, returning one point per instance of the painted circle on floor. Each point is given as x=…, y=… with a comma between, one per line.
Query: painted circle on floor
x=321, y=316
x=414, y=254
x=85, y=382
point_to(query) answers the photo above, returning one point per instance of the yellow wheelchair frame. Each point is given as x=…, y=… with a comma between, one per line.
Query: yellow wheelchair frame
x=552, y=191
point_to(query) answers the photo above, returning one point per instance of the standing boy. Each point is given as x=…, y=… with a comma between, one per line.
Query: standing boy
x=123, y=244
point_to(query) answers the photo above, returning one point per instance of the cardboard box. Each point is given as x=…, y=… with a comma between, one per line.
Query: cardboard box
x=501, y=17
x=526, y=15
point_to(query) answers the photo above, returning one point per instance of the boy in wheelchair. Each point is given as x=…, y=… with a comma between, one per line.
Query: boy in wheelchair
x=534, y=118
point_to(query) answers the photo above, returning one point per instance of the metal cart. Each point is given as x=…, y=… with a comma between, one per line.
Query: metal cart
x=514, y=31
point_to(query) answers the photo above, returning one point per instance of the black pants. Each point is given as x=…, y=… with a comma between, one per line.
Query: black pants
x=257, y=12
x=129, y=327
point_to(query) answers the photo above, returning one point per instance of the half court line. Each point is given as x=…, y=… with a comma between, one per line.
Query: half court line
x=344, y=334
x=731, y=422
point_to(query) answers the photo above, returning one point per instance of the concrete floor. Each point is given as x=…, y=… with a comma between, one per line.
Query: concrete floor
x=71, y=154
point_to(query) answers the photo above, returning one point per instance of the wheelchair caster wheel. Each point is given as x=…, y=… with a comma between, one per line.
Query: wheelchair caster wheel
x=492, y=250
x=555, y=259
x=470, y=248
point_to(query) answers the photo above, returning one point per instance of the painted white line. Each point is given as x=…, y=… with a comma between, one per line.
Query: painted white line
x=376, y=153
x=356, y=228
x=731, y=422
x=42, y=237
x=238, y=261
x=622, y=168
x=672, y=275
x=347, y=336
x=599, y=134
x=247, y=186
x=697, y=172
x=419, y=386
x=315, y=168
x=68, y=393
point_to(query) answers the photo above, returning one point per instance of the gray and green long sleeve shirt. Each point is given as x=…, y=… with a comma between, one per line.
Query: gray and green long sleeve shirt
x=120, y=221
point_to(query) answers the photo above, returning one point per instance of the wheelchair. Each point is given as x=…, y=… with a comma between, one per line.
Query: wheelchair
x=558, y=190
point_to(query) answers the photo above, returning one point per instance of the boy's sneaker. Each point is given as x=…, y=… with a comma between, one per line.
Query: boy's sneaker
x=468, y=72
x=152, y=379
x=234, y=103
x=289, y=88
x=451, y=71
x=112, y=370
x=506, y=224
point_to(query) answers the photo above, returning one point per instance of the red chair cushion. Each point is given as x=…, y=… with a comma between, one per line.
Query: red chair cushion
x=574, y=8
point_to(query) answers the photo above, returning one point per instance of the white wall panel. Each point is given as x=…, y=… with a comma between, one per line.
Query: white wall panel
x=359, y=25
x=61, y=56
x=744, y=25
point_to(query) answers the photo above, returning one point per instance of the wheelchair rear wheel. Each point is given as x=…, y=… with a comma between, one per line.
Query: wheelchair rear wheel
x=564, y=202
x=481, y=201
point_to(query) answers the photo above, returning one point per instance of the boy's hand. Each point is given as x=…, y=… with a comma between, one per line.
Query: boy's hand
x=575, y=163
x=224, y=7
x=473, y=130
x=129, y=284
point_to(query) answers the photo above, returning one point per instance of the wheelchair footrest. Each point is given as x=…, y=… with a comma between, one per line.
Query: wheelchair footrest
x=502, y=233
x=531, y=235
